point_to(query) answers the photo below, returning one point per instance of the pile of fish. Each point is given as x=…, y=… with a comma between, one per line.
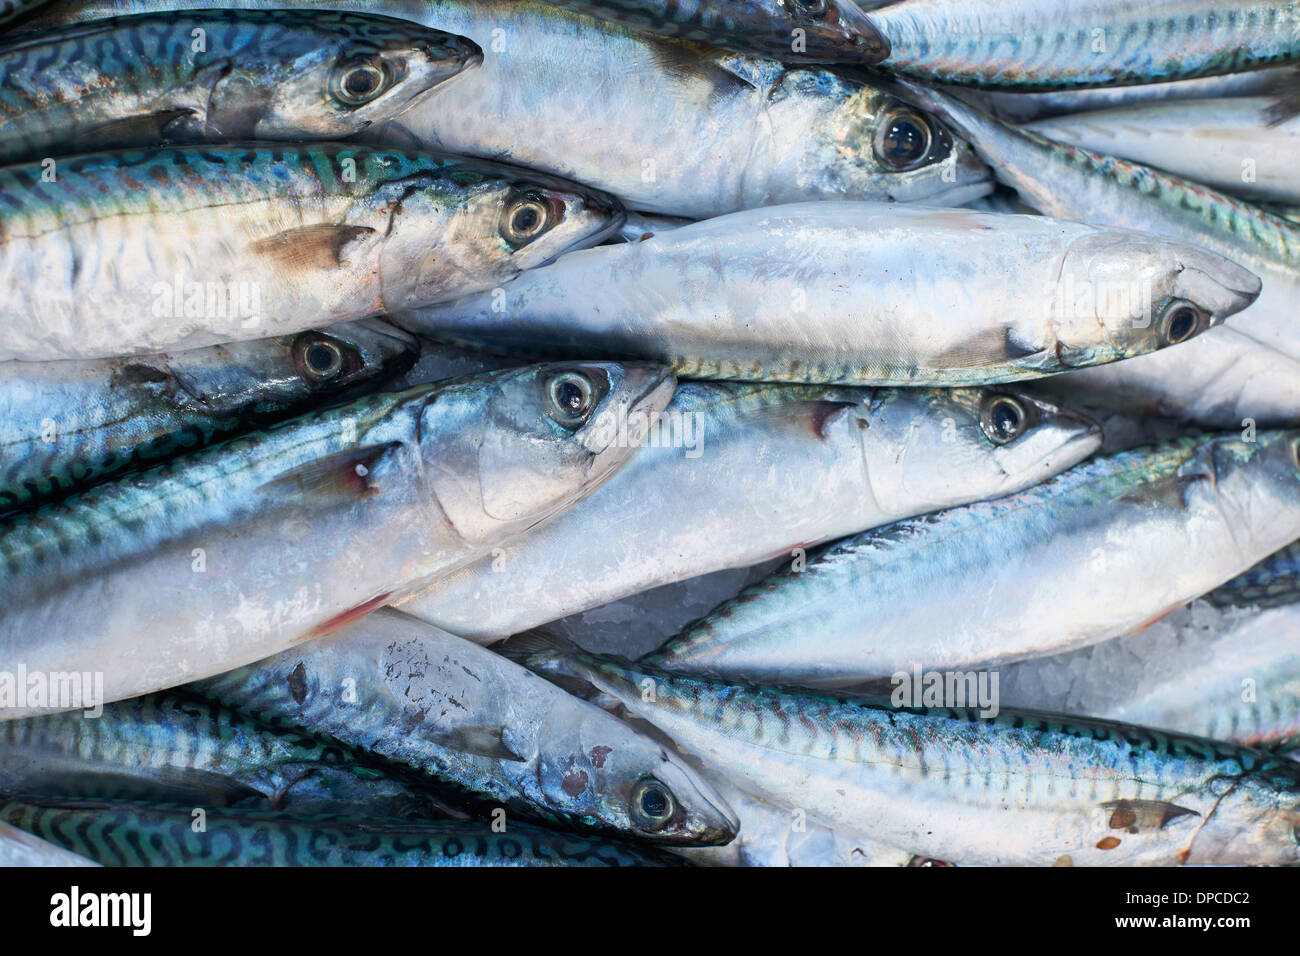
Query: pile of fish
x=637, y=432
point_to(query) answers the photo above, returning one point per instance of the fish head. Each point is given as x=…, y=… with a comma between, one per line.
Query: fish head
x=1121, y=294
x=361, y=70
x=605, y=773
x=884, y=147
x=504, y=450
x=963, y=444
x=482, y=224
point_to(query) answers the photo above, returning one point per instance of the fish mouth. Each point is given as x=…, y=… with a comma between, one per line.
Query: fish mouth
x=870, y=42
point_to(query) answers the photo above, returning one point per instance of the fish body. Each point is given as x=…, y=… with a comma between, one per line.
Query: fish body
x=1014, y=577
x=64, y=425
x=683, y=130
x=177, y=247
x=792, y=31
x=753, y=472
x=1274, y=581
x=1235, y=145
x=194, y=76
x=494, y=730
x=1072, y=183
x=1231, y=675
x=137, y=834
x=947, y=784
x=221, y=557
x=861, y=294
x=1043, y=44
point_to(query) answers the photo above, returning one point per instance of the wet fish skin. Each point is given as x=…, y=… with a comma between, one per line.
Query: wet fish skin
x=885, y=602
x=65, y=425
x=860, y=294
x=685, y=131
x=224, y=243
x=822, y=31
x=787, y=467
x=1215, y=142
x=1208, y=382
x=499, y=733
x=113, y=833
x=261, y=74
x=1086, y=43
x=180, y=572
x=1020, y=788
x=1238, y=681
x=177, y=748
x=1272, y=582
x=19, y=848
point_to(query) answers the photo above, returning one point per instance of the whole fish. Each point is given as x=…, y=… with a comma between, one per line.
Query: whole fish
x=191, y=76
x=177, y=247
x=752, y=472
x=1240, y=146
x=180, y=749
x=19, y=848
x=64, y=425
x=682, y=130
x=1071, y=183
x=227, y=555
x=1044, y=44
x=1015, y=789
x=421, y=697
x=1064, y=564
x=861, y=294
x=792, y=31
x=1274, y=581
x=1233, y=677
x=139, y=834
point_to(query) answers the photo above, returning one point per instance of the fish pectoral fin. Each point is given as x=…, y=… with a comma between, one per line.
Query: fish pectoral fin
x=170, y=126
x=485, y=741
x=355, y=473
x=319, y=247
x=1143, y=816
x=1170, y=491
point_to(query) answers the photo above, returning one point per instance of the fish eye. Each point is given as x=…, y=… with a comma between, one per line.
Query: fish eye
x=318, y=358
x=1003, y=419
x=570, y=398
x=357, y=82
x=652, y=804
x=1181, y=321
x=807, y=8
x=526, y=217
x=903, y=139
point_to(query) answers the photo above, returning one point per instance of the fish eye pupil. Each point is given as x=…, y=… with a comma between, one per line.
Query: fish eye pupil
x=321, y=358
x=1182, y=324
x=904, y=139
x=526, y=219
x=569, y=397
x=361, y=82
x=1006, y=420
x=808, y=7
x=654, y=802
x=1003, y=419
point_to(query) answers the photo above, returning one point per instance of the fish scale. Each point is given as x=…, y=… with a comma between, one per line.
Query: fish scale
x=1022, y=788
